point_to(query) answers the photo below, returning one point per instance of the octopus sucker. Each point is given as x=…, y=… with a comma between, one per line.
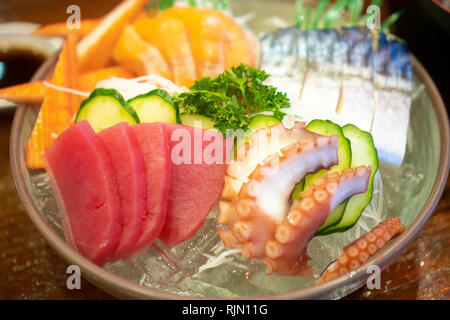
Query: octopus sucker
x=256, y=210
x=359, y=251
x=288, y=245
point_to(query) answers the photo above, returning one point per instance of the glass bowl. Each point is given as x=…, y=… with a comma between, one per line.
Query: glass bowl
x=410, y=192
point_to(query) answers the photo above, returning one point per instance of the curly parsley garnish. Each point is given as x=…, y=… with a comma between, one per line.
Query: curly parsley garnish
x=232, y=98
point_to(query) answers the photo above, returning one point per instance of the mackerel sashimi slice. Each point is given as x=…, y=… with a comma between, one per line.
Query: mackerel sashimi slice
x=85, y=187
x=196, y=180
x=154, y=145
x=128, y=163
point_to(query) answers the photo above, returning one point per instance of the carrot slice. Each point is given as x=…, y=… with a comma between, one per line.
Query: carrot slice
x=29, y=93
x=207, y=35
x=170, y=37
x=238, y=47
x=89, y=80
x=58, y=108
x=61, y=30
x=95, y=50
x=139, y=56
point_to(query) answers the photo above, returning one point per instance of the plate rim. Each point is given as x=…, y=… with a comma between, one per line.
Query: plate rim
x=123, y=288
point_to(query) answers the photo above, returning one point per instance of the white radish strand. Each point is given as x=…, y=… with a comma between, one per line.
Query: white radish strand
x=65, y=89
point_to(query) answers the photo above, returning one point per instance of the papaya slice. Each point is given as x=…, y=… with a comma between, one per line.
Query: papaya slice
x=58, y=108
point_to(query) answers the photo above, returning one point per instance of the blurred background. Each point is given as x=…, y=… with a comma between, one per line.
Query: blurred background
x=30, y=269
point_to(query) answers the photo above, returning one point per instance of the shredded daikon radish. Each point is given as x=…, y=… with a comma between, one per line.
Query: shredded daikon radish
x=214, y=262
x=130, y=88
x=161, y=82
x=68, y=90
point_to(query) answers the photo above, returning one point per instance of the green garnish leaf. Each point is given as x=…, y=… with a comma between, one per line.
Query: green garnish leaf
x=231, y=98
x=391, y=20
x=299, y=13
x=166, y=4
x=321, y=8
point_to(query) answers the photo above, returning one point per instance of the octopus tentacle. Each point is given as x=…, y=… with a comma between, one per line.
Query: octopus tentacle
x=262, y=201
x=359, y=251
x=291, y=237
x=255, y=203
x=261, y=144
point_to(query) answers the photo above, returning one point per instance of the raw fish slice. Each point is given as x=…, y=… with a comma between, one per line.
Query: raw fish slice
x=207, y=35
x=392, y=80
x=154, y=145
x=170, y=37
x=195, y=182
x=89, y=80
x=238, y=47
x=357, y=103
x=128, y=163
x=85, y=187
x=284, y=58
x=322, y=87
x=139, y=56
x=95, y=50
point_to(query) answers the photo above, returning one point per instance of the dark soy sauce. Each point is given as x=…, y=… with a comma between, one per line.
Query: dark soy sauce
x=18, y=66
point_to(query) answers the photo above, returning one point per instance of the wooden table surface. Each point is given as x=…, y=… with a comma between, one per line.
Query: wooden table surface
x=31, y=269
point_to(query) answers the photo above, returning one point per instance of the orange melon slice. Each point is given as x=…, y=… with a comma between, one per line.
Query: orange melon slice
x=207, y=36
x=61, y=30
x=58, y=108
x=95, y=50
x=170, y=37
x=139, y=56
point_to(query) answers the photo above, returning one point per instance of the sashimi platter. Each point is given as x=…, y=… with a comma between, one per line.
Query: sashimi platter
x=225, y=150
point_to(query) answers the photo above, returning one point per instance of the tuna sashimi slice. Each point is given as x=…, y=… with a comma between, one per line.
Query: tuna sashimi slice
x=84, y=182
x=128, y=163
x=195, y=182
x=154, y=145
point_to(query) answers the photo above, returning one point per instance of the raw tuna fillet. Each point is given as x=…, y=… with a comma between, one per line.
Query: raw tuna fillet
x=154, y=144
x=85, y=186
x=196, y=180
x=128, y=163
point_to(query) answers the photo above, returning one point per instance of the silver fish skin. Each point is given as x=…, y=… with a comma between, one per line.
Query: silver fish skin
x=322, y=84
x=284, y=58
x=370, y=87
x=357, y=103
x=392, y=100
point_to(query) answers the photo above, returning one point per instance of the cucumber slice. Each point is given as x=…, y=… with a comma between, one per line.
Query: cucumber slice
x=363, y=153
x=197, y=120
x=105, y=108
x=155, y=106
x=262, y=121
x=329, y=128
